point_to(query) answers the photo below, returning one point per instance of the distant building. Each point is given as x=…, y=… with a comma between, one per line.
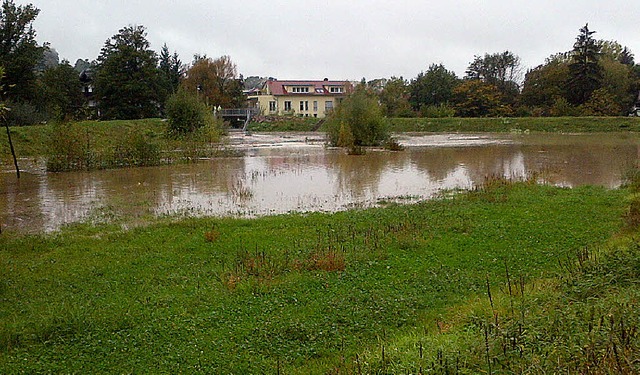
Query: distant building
x=299, y=98
x=86, y=78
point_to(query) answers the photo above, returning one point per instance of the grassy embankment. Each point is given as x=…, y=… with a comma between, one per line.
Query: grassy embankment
x=498, y=125
x=513, y=277
x=520, y=124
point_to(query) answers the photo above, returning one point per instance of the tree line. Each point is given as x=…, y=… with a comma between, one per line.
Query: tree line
x=128, y=80
x=595, y=78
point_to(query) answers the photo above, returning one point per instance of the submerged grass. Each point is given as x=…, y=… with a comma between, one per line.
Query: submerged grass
x=388, y=290
x=91, y=145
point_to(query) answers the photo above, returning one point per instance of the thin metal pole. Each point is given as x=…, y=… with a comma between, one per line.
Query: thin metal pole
x=13, y=152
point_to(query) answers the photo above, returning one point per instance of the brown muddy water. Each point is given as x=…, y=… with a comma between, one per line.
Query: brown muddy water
x=281, y=173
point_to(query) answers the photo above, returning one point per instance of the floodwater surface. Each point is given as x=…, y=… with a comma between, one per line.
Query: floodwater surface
x=295, y=173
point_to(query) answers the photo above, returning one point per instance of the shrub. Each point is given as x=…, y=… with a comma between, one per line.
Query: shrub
x=69, y=148
x=561, y=107
x=136, y=148
x=602, y=103
x=437, y=111
x=357, y=121
x=187, y=113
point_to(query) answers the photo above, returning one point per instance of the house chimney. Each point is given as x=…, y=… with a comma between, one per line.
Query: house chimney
x=326, y=79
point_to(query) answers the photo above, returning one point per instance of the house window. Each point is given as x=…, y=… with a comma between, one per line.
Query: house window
x=287, y=106
x=304, y=105
x=328, y=106
x=300, y=89
x=273, y=106
x=315, y=106
x=335, y=90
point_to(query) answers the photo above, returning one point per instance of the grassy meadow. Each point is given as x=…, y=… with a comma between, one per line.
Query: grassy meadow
x=508, y=278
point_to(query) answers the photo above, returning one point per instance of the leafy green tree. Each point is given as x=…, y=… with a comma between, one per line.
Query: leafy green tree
x=128, y=83
x=585, y=72
x=19, y=51
x=545, y=83
x=475, y=98
x=394, y=98
x=619, y=81
x=615, y=51
x=433, y=87
x=357, y=121
x=561, y=107
x=602, y=103
x=503, y=70
x=62, y=91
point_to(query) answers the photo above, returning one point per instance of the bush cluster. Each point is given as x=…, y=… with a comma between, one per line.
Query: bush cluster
x=357, y=121
x=187, y=113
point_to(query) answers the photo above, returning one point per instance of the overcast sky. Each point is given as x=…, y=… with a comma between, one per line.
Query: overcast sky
x=339, y=39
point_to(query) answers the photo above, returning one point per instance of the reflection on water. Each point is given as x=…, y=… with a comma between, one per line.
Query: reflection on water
x=272, y=180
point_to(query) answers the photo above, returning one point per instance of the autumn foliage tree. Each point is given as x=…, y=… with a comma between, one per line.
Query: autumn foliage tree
x=475, y=98
x=216, y=81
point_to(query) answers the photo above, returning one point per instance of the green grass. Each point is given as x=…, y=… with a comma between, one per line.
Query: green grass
x=497, y=125
x=518, y=124
x=316, y=293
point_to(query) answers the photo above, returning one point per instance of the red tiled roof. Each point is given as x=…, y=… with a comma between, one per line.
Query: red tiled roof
x=278, y=87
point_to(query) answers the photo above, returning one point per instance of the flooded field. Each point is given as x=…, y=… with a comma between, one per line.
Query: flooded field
x=282, y=173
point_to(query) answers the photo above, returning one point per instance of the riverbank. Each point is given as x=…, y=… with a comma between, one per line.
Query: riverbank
x=425, y=286
x=517, y=124
x=35, y=141
x=480, y=125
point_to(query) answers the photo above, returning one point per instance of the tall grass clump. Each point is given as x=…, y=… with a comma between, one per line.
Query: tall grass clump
x=81, y=147
x=357, y=122
x=136, y=149
x=69, y=148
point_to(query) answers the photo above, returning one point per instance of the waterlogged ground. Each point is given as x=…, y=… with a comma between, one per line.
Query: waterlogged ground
x=287, y=172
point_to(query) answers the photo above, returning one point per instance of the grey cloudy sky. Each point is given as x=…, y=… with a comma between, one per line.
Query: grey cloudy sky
x=339, y=39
